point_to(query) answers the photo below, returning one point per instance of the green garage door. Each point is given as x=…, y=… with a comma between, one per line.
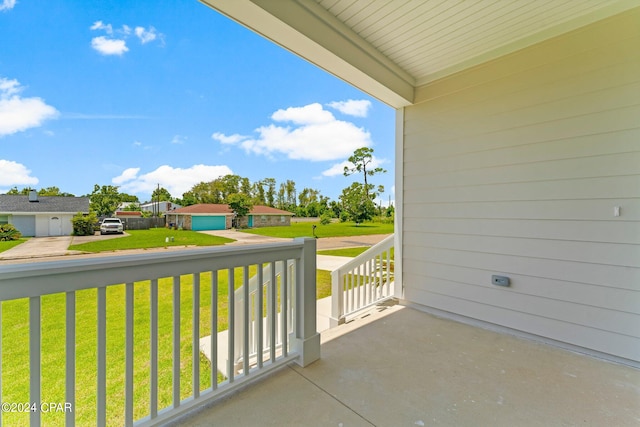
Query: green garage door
x=199, y=223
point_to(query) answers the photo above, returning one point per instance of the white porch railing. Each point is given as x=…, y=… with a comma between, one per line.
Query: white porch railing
x=273, y=277
x=362, y=282
x=117, y=284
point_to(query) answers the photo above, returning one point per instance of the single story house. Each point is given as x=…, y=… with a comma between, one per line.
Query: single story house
x=208, y=216
x=41, y=216
x=517, y=154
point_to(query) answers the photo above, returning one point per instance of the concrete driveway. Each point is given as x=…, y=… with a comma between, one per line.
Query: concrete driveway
x=38, y=247
x=46, y=247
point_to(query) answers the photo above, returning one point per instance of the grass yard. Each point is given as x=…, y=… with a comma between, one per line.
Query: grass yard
x=152, y=238
x=6, y=245
x=338, y=229
x=15, y=348
x=350, y=252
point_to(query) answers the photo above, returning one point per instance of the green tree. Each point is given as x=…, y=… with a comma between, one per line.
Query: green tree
x=53, y=191
x=357, y=203
x=48, y=191
x=259, y=197
x=240, y=203
x=104, y=200
x=361, y=160
x=270, y=194
x=161, y=194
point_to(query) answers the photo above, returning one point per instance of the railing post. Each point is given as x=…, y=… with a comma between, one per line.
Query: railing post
x=337, y=299
x=306, y=339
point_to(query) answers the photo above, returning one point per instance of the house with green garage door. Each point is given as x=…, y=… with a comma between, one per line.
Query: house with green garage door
x=209, y=216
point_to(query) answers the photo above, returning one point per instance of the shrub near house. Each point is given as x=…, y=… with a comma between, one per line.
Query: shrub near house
x=9, y=232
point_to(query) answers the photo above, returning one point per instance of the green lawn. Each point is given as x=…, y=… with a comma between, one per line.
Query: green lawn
x=15, y=348
x=6, y=245
x=350, y=252
x=305, y=229
x=152, y=238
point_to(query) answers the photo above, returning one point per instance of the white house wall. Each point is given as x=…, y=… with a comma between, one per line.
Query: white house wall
x=516, y=168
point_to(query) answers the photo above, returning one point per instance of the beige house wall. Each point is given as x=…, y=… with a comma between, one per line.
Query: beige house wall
x=265, y=221
x=518, y=167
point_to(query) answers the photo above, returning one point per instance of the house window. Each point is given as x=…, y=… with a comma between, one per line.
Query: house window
x=263, y=218
x=4, y=219
x=282, y=218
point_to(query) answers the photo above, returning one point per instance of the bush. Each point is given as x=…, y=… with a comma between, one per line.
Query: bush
x=9, y=232
x=344, y=216
x=84, y=225
x=325, y=219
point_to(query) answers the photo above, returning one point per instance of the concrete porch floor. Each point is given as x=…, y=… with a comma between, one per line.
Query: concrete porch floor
x=398, y=366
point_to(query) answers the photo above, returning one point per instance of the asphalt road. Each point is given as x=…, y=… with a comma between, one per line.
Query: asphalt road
x=56, y=248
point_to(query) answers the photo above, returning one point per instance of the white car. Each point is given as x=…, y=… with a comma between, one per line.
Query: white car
x=111, y=225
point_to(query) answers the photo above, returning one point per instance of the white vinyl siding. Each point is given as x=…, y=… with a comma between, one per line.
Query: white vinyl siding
x=515, y=168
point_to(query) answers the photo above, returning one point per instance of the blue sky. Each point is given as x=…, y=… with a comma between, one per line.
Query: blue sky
x=142, y=93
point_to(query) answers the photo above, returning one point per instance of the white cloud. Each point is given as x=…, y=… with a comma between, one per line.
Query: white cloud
x=176, y=180
x=338, y=169
x=125, y=176
x=145, y=35
x=14, y=173
x=7, y=4
x=307, y=115
x=179, y=139
x=107, y=46
x=228, y=139
x=99, y=25
x=358, y=108
x=117, y=45
x=17, y=113
x=316, y=135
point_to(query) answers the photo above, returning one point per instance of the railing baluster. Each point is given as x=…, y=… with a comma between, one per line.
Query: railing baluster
x=176, y=341
x=266, y=338
x=231, y=331
x=128, y=375
x=272, y=311
x=70, y=357
x=34, y=356
x=259, y=315
x=153, y=392
x=195, y=343
x=284, y=297
x=246, y=315
x=359, y=285
x=214, y=330
x=102, y=358
x=379, y=284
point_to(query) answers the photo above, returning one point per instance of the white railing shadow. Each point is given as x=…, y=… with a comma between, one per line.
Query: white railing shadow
x=362, y=282
x=161, y=277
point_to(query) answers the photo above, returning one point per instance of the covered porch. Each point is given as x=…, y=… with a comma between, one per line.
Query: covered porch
x=398, y=366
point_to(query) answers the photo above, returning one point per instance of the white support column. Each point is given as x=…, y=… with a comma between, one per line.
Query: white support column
x=306, y=339
x=398, y=287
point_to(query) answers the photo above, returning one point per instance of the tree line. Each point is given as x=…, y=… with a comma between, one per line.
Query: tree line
x=356, y=203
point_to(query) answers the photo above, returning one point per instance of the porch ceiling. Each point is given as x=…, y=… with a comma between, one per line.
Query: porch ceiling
x=389, y=48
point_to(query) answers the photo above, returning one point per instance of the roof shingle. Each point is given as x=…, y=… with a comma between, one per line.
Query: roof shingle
x=10, y=203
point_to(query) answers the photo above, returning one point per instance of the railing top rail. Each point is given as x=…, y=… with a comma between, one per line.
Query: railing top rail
x=385, y=244
x=32, y=279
